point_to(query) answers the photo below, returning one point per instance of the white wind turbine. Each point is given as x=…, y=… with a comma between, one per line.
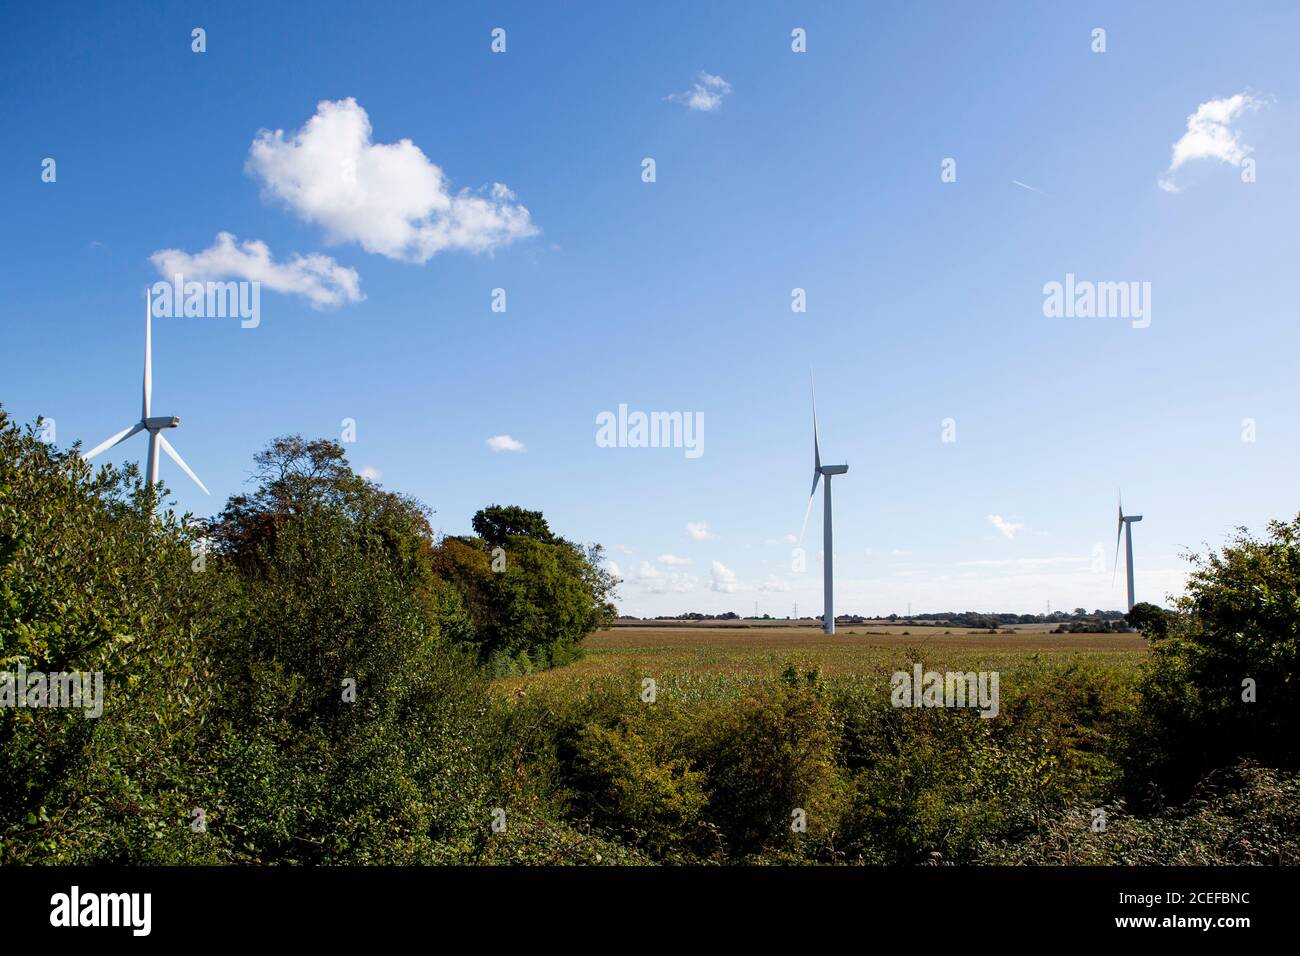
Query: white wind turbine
x=1125, y=528
x=154, y=425
x=828, y=550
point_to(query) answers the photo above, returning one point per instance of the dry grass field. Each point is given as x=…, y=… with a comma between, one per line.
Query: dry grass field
x=692, y=651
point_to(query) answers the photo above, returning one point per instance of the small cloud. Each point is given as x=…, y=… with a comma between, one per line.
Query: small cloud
x=705, y=95
x=653, y=581
x=897, y=552
x=1210, y=136
x=672, y=560
x=622, y=549
x=773, y=583
x=1005, y=528
x=318, y=278
x=371, y=473
x=505, y=443
x=389, y=198
x=724, y=579
x=699, y=530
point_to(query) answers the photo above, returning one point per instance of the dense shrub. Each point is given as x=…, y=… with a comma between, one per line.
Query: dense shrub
x=1238, y=816
x=1223, y=681
x=92, y=581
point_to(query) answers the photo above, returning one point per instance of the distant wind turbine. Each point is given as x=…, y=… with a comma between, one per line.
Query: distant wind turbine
x=1125, y=528
x=154, y=425
x=828, y=550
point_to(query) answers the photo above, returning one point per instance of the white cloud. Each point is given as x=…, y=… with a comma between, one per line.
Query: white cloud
x=505, y=443
x=705, y=94
x=318, y=277
x=652, y=581
x=1210, y=136
x=699, y=530
x=672, y=560
x=773, y=583
x=724, y=579
x=371, y=473
x=387, y=197
x=1005, y=528
x=1023, y=564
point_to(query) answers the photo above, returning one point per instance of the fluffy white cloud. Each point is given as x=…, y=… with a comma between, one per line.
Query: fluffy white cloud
x=699, y=530
x=505, y=443
x=672, y=560
x=371, y=473
x=317, y=277
x=1005, y=528
x=724, y=579
x=387, y=197
x=705, y=94
x=1210, y=136
x=653, y=581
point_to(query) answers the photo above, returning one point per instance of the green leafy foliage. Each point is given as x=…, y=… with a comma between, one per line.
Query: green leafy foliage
x=316, y=688
x=1223, y=683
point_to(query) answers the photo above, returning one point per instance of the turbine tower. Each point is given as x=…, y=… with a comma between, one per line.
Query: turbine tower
x=1125, y=528
x=828, y=549
x=154, y=425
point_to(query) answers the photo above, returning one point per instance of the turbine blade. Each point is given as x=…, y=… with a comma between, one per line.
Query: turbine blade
x=817, y=448
x=148, y=357
x=1119, y=532
x=807, y=511
x=167, y=447
x=120, y=437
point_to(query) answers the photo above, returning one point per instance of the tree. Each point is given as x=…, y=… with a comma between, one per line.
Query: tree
x=295, y=478
x=536, y=600
x=1223, y=681
x=1150, y=619
x=496, y=525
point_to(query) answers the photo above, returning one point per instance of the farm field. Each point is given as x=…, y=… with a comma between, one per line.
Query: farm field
x=674, y=651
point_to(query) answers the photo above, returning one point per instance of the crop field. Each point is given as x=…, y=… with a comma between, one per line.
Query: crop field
x=691, y=653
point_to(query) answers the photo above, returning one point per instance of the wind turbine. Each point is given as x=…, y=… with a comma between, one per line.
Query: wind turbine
x=828, y=550
x=1125, y=528
x=154, y=425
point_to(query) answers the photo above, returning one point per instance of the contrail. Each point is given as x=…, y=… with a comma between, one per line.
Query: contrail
x=1016, y=182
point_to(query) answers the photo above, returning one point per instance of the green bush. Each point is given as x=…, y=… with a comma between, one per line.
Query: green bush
x=92, y=581
x=1235, y=634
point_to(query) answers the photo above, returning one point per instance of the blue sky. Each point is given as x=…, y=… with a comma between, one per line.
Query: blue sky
x=816, y=170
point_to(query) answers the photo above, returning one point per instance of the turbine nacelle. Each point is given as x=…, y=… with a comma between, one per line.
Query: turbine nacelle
x=159, y=422
x=833, y=469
